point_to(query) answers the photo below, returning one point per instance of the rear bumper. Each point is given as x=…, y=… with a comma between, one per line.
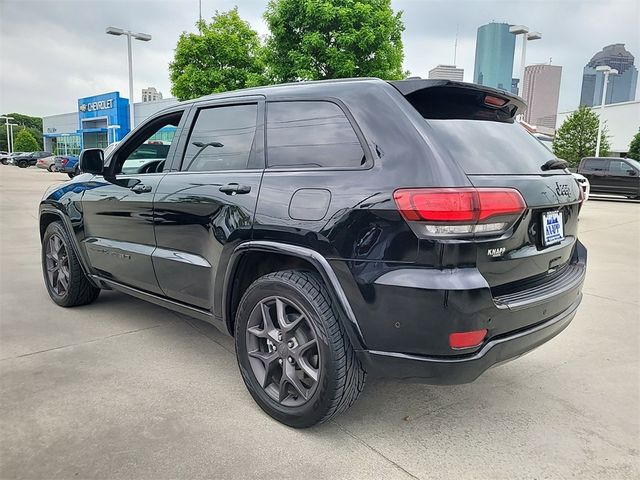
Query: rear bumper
x=411, y=312
x=465, y=369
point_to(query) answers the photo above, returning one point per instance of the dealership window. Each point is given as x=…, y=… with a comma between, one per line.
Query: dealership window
x=311, y=134
x=67, y=145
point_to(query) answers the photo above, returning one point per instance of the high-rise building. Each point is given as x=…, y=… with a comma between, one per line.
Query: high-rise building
x=621, y=88
x=151, y=95
x=495, y=47
x=541, y=90
x=447, y=72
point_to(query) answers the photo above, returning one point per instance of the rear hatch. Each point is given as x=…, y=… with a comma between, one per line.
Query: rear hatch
x=474, y=128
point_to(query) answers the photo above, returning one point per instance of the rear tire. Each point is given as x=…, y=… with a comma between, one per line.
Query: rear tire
x=51, y=168
x=23, y=164
x=304, y=347
x=63, y=276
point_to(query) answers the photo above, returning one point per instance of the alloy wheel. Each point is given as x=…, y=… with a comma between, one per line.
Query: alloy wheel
x=283, y=351
x=57, y=262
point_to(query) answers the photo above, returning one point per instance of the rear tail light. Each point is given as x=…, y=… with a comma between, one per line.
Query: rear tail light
x=64, y=161
x=459, y=212
x=471, y=339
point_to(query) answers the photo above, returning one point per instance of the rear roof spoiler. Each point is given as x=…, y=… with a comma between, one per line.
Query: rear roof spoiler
x=412, y=88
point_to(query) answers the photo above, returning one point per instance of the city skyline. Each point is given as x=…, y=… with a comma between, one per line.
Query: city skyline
x=622, y=85
x=84, y=61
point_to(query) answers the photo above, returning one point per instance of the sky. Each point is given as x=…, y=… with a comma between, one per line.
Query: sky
x=54, y=52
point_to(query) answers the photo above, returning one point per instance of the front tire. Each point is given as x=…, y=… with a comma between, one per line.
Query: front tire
x=63, y=276
x=23, y=164
x=293, y=353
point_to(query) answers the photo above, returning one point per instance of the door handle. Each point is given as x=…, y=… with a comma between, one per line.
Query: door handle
x=235, y=189
x=141, y=188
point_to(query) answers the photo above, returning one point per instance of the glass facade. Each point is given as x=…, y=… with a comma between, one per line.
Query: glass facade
x=495, y=47
x=621, y=88
x=67, y=145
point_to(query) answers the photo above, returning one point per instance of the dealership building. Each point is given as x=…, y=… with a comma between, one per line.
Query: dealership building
x=96, y=122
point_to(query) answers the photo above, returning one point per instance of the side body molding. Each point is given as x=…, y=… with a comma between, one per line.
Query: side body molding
x=313, y=257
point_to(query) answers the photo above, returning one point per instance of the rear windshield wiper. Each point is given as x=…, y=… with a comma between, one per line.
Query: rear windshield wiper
x=555, y=164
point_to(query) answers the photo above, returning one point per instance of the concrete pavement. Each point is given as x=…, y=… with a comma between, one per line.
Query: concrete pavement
x=125, y=389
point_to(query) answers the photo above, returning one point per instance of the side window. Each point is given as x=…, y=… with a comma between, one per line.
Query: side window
x=145, y=153
x=618, y=167
x=311, y=134
x=595, y=165
x=221, y=139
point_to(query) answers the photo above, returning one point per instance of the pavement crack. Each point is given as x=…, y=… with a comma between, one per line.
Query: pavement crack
x=616, y=300
x=373, y=449
x=82, y=343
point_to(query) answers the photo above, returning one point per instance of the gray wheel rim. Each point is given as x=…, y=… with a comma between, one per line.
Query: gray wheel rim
x=283, y=351
x=57, y=263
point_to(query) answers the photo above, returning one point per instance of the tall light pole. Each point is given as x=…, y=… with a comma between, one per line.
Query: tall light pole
x=11, y=125
x=144, y=37
x=606, y=70
x=526, y=37
x=6, y=122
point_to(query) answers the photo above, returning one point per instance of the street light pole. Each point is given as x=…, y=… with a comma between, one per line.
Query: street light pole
x=144, y=37
x=6, y=122
x=11, y=125
x=606, y=70
x=526, y=37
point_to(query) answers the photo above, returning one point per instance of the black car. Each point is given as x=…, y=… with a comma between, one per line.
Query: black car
x=618, y=176
x=29, y=159
x=336, y=229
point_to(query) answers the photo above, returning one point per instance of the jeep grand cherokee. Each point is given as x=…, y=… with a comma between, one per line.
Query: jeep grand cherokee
x=336, y=229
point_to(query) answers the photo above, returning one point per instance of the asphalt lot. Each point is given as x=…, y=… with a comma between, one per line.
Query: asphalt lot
x=125, y=389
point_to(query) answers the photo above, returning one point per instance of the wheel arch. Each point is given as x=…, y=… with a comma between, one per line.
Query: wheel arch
x=274, y=256
x=48, y=215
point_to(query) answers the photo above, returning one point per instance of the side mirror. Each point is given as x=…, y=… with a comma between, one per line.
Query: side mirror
x=92, y=161
x=632, y=173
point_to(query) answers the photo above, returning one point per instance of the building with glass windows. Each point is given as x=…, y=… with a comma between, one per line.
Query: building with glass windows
x=447, y=72
x=621, y=88
x=541, y=90
x=97, y=121
x=495, y=47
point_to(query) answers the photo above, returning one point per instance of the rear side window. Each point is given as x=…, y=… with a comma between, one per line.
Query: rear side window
x=221, y=138
x=311, y=134
x=594, y=165
x=489, y=147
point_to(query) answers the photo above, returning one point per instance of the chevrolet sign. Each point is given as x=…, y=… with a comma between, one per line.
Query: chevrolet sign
x=99, y=105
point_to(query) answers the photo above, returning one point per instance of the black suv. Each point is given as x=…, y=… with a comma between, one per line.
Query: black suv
x=618, y=176
x=29, y=159
x=336, y=229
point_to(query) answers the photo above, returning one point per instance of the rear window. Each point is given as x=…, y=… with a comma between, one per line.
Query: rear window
x=488, y=147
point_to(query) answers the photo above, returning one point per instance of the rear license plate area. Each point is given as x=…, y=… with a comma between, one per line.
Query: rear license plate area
x=552, y=228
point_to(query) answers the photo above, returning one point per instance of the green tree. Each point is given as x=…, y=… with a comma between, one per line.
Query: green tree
x=34, y=124
x=634, y=147
x=226, y=54
x=576, y=137
x=317, y=39
x=25, y=141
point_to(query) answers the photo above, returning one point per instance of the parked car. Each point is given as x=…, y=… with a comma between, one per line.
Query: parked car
x=584, y=185
x=336, y=229
x=48, y=163
x=29, y=159
x=7, y=159
x=618, y=176
x=67, y=164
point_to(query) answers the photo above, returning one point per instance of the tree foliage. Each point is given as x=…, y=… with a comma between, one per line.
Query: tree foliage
x=634, y=147
x=318, y=39
x=25, y=141
x=226, y=54
x=33, y=124
x=576, y=137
